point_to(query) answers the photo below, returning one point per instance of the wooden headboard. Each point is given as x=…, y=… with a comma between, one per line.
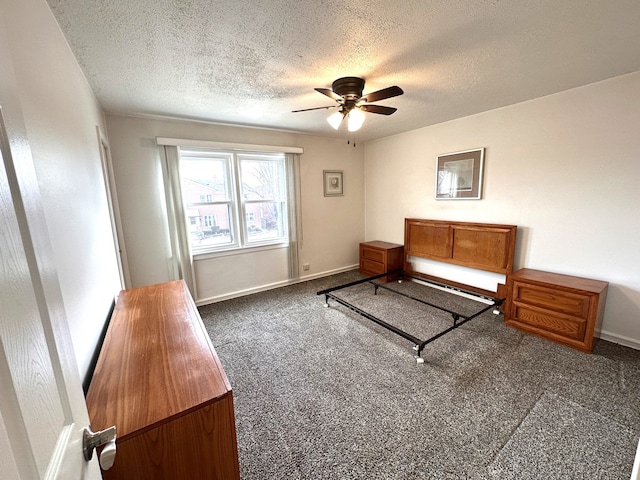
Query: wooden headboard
x=481, y=246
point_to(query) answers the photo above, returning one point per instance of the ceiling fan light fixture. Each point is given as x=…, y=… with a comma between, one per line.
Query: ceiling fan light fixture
x=335, y=119
x=356, y=119
x=352, y=105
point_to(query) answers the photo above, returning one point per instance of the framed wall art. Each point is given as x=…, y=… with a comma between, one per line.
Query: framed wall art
x=459, y=175
x=333, y=183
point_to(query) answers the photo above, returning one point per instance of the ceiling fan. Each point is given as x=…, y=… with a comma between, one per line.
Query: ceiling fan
x=347, y=91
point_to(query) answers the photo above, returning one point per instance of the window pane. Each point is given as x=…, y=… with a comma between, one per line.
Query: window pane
x=205, y=180
x=263, y=179
x=206, y=188
x=269, y=221
x=209, y=225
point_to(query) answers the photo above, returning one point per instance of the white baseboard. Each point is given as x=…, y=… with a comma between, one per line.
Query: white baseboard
x=328, y=272
x=619, y=339
x=262, y=288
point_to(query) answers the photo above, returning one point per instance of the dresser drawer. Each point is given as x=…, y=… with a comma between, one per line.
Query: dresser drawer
x=373, y=255
x=554, y=299
x=371, y=268
x=550, y=321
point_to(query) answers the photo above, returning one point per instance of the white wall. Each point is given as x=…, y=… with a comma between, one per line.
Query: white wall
x=332, y=227
x=242, y=273
x=61, y=114
x=564, y=168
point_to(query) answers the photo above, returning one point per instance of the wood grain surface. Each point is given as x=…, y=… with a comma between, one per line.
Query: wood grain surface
x=159, y=381
x=482, y=246
x=563, y=308
x=156, y=362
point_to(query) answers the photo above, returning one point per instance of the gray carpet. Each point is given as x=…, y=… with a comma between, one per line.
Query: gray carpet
x=323, y=393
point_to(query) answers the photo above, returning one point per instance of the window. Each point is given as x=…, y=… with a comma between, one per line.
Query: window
x=234, y=199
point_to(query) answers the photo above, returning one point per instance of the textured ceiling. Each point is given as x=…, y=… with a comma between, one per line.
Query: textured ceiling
x=250, y=62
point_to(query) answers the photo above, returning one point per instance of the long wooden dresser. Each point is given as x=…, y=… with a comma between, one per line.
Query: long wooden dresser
x=158, y=379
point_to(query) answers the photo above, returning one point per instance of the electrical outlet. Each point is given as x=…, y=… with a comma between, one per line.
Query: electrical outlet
x=306, y=267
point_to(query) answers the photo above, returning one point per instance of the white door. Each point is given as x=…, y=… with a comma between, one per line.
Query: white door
x=114, y=211
x=42, y=407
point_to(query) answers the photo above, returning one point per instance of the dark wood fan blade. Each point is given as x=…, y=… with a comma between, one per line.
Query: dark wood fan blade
x=378, y=109
x=329, y=93
x=316, y=108
x=383, y=94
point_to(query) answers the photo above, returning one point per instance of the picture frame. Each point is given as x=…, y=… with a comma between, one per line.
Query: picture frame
x=333, y=183
x=459, y=175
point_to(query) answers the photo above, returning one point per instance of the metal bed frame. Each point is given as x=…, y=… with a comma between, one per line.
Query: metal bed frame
x=459, y=319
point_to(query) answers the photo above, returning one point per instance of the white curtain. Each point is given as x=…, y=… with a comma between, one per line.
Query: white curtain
x=180, y=245
x=293, y=201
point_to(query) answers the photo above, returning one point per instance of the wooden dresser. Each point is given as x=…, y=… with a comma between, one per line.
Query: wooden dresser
x=378, y=257
x=159, y=381
x=562, y=308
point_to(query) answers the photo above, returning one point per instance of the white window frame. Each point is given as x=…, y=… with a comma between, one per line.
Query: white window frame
x=236, y=204
x=231, y=195
x=280, y=197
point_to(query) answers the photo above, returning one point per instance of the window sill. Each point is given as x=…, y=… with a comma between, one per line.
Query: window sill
x=238, y=251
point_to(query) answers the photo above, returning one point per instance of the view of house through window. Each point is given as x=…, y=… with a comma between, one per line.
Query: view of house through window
x=234, y=199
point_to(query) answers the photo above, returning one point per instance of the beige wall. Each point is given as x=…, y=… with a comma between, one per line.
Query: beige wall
x=60, y=114
x=331, y=229
x=564, y=168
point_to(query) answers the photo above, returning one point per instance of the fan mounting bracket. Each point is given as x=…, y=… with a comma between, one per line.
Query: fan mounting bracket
x=349, y=88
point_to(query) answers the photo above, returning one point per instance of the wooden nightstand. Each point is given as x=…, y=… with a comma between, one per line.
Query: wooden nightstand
x=561, y=308
x=378, y=257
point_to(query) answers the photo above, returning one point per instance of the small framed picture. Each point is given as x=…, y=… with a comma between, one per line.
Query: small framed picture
x=459, y=175
x=333, y=183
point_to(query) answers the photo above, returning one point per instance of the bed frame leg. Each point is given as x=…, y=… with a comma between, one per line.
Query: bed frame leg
x=326, y=301
x=418, y=358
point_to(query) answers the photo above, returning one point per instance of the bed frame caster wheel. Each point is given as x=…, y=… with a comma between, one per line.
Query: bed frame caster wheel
x=496, y=311
x=419, y=359
x=326, y=305
x=400, y=281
